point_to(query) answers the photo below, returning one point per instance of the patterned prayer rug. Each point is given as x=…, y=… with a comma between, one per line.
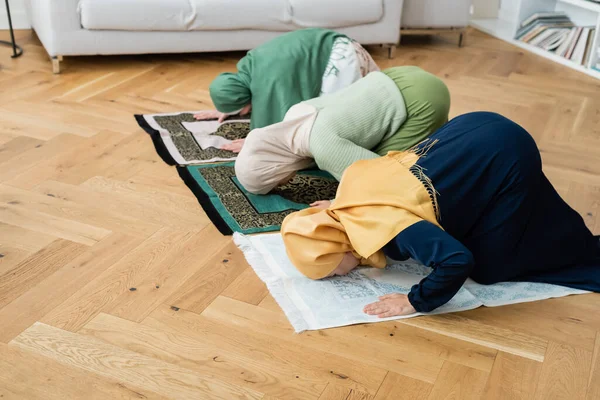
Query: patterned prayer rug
x=179, y=139
x=308, y=304
x=233, y=209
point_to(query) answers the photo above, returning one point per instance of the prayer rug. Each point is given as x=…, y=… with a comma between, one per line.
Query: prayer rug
x=179, y=139
x=232, y=209
x=338, y=301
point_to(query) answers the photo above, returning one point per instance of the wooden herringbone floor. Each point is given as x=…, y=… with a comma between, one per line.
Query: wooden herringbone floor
x=113, y=284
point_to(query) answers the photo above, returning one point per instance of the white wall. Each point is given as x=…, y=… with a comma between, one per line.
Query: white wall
x=509, y=9
x=17, y=11
x=485, y=8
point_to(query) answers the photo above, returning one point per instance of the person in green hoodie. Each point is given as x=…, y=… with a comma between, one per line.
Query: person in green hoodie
x=291, y=68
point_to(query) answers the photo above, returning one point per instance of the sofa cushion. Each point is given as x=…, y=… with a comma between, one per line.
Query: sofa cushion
x=273, y=15
x=136, y=15
x=335, y=13
x=199, y=15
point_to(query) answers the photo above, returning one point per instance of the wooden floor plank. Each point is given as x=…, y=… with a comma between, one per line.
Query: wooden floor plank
x=146, y=161
x=108, y=82
x=400, y=387
x=5, y=137
x=51, y=225
x=333, y=392
x=67, y=166
x=122, y=148
x=17, y=244
x=56, y=113
x=269, y=303
x=39, y=154
x=100, y=293
x=182, y=206
x=127, y=366
x=565, y=373
x=512, y=377
x=147, y=208
x=26, y=84
x=593, y=391
x=16, y=146
x=76, y=200
x=210, y=280
x=456, y=326
x=425, y=343
x=201, y=357
x=356, y=395
x=25, y=125
x=458, y=382
x=585, y=199
x=50, y=292
x=36, y=268
x=247, y=287
x=26, y=375
x=48, y=201
x=11, y=257
x=156, y=175
x=69, y=123
x=536, y=320
x=332, y=341
x=286, y=356
x=24, y=239
x=161, y=282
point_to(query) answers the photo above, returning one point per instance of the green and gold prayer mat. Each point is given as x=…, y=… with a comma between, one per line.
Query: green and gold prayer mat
x=193, y=146
x=179, y=139
x=232, y=209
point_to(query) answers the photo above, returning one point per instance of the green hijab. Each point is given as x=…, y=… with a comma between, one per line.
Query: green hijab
x=276, y=75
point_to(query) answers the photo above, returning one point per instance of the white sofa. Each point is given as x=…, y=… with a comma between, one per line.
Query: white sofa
x=435, y=14
x=90, y=27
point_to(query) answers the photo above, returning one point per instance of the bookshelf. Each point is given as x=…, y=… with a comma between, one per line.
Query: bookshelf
x=588, y=5
x=513, y=12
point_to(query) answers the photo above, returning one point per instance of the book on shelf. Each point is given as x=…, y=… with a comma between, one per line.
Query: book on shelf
x=588, y=48
x=556, y=33
x=564, y=47
x=540, y=20
x=555, y=42
x=572, y=43
x=540, y=26
x=579, y=49
x=542, y=16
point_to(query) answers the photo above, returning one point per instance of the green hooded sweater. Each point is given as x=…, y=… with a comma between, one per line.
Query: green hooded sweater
x=276, y=75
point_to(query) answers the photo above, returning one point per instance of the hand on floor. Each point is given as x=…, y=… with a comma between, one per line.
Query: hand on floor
x=210, y=114
x=235, y=146
x=322, y=204
x=390, y=305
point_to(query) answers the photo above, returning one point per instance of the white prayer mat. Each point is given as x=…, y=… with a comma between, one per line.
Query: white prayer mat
x=338, y=301
x=182, y=140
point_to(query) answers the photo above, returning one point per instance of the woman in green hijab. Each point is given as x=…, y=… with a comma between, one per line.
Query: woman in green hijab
x=291, y=68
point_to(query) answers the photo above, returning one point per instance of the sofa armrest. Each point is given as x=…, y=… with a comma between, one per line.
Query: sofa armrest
x=436, y=13
x=53, y=20
x=393, y=16
x=386, y=31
